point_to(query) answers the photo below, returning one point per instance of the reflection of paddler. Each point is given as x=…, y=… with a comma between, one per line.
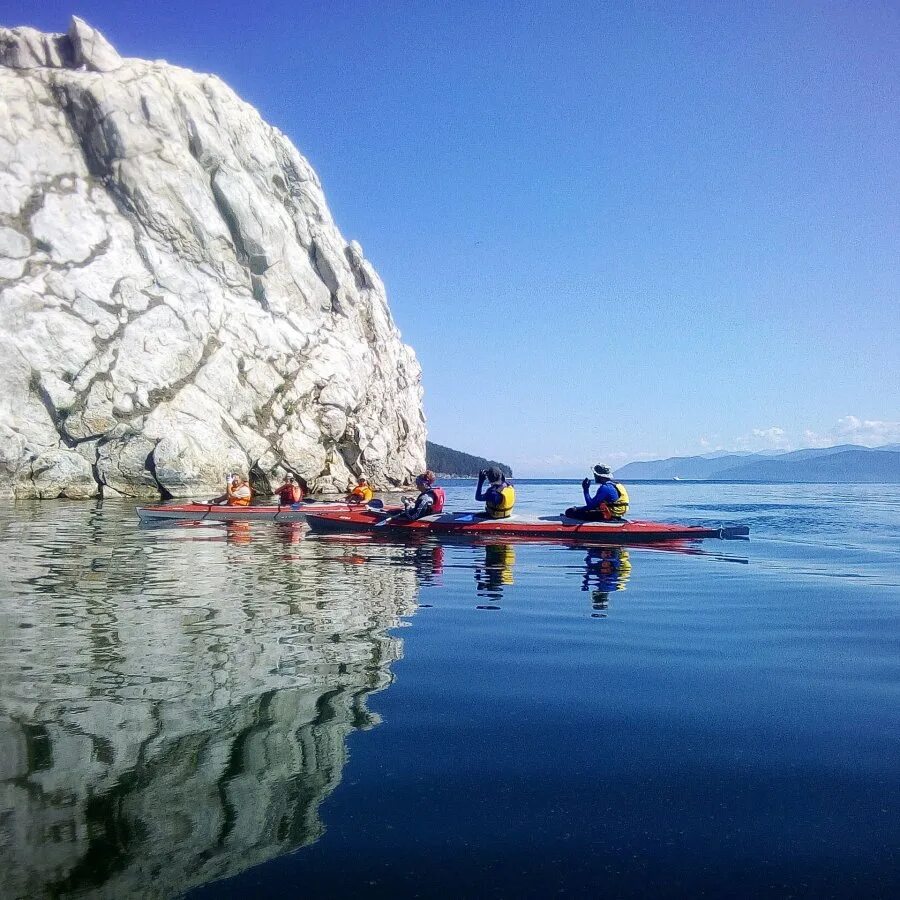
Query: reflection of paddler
x=428, y=561
x=238, y=533
x=290, y=532
x=433, y=564
x=497, y=571
x=499, y=560
x=606, y=569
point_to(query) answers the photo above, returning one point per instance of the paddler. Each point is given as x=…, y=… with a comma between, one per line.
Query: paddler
x=609, y=503
x=290, y=492
x=429, y=502
x=499, y=497
x=362, y=493
x=237, y=492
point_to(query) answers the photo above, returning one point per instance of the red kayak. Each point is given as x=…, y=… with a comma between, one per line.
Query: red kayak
x=624, y=531
x=206, y=512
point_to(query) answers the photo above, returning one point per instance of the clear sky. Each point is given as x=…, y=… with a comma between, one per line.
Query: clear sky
x=610, y=230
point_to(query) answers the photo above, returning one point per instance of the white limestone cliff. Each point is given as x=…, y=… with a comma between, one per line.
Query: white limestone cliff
x=176, y=301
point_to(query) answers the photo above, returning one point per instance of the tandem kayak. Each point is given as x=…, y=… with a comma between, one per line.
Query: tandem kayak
x=206, y=512
x=620, y=532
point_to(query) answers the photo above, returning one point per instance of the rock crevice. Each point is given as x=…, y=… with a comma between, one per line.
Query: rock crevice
x=176, y=301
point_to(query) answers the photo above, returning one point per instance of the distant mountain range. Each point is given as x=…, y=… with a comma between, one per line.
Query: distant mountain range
x=846, y=462
x=446, y=461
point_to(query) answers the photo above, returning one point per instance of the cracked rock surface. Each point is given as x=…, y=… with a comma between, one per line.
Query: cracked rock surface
x=176, y=301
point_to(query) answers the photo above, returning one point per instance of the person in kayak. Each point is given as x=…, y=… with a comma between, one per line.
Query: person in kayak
x=499, y=497
x=289, y=492
x=609, y=503
x=429, y=502
x=237, y=492
x=362, y=493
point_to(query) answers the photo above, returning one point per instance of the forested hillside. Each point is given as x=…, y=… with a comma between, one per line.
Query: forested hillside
x=453, y=462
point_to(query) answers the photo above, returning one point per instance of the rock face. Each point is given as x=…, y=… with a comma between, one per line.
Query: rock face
x=176, y=301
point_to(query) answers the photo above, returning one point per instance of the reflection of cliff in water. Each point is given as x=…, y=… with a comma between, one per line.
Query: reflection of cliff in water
x=174, y=705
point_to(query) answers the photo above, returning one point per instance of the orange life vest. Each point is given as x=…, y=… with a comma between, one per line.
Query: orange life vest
x=239, y=496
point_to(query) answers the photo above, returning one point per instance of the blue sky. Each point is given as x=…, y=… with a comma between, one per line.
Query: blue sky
x=610, y=230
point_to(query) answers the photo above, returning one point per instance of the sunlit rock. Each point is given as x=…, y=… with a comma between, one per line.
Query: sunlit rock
x=176, y=301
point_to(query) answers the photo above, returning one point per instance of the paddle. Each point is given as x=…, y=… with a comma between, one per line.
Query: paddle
x=389, y=519
x=372, y=504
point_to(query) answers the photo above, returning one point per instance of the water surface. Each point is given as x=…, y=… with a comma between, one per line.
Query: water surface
x=251, y=710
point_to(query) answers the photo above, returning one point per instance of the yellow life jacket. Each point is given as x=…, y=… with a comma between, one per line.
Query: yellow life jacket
x=505, y=559
x=624, y=569
x=502, y=509
x=619, y=507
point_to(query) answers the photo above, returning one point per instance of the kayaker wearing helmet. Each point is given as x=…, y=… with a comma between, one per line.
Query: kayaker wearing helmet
x=610, y=501
x=500, y=495
x=237, y=492
x=429, y=502
x=362, y=493
x=289, y=492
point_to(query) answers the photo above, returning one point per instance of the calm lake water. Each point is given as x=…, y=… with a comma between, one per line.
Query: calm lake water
x=227, y=711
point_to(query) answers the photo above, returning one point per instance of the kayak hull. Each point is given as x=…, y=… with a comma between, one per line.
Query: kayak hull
x=204, y=512
x=622, y=532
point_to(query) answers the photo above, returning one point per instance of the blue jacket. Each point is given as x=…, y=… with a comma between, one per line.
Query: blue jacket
x=606, y=493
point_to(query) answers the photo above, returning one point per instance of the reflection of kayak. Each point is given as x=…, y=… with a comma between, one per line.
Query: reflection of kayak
x=200, y=512
x=622, y=532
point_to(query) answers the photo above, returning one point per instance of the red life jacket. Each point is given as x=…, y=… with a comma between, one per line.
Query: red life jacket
x=290, y=493
x=438, y=494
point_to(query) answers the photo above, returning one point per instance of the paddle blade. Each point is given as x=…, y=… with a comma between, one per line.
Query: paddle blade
x=385, y=521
